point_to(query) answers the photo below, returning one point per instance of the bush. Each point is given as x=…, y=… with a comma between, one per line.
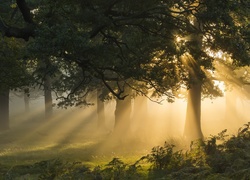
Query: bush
x=217, y=157
x=117, y=170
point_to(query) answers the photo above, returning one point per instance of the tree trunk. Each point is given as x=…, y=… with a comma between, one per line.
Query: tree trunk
x=48, y=97
x=122, y=116
x=4, y=109
x=100, y=112
x=192, y=129
x=27, y=100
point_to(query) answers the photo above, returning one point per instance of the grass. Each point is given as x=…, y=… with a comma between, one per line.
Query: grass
x=33, y=140
x=62, y=149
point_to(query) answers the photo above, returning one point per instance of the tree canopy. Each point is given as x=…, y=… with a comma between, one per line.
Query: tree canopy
x=116, y=42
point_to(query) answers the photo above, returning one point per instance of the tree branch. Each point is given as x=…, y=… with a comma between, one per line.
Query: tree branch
x=23, y=33
x=27, y=16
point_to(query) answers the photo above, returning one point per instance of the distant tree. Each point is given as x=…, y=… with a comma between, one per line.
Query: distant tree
x=45, y=72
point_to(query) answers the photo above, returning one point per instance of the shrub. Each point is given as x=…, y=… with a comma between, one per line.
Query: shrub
x=117, y=170
x=58, y=169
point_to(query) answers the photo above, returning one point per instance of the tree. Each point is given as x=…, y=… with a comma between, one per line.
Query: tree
x=13, y=75
x=214, y=27
x=45, y=72
x=154, y=40
x=123, y=111
x=110, y=41
x=4, y=109
x=192, y=127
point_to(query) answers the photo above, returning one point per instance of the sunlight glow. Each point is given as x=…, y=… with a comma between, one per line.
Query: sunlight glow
x=181, y=40
x=219, y=55
x=221, y=85
x=178, y=39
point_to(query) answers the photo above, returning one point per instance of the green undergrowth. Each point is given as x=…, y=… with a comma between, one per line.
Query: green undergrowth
x=217, y=157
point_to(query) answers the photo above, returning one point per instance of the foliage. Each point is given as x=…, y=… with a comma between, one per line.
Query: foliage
x=57, y=169
x=12, y=65
x=91, y=42
x=232, y=154
x=221, y=153
x=49, y=169
x=116, y=169
x=164, y=158
x=219, y=156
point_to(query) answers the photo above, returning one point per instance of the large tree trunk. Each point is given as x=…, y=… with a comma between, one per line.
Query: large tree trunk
x=192, y=129
x=100, y=112
x=27, y=100
x=122, y=116
x=48, y=97
x=4, y=109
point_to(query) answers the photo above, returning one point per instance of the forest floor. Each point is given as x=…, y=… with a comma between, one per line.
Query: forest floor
x=32, y=141
x=60, y=149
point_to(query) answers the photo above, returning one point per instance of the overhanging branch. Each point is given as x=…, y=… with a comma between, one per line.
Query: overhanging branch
x=25, y=32
x=27, y=16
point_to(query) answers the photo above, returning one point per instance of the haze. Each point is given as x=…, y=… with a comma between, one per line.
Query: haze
x=162, y=122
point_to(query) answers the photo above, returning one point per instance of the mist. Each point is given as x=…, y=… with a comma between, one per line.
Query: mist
x=78, y=127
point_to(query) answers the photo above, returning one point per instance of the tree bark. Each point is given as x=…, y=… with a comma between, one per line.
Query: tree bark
x=192, y=128
x=4, y=109
x=48, y=97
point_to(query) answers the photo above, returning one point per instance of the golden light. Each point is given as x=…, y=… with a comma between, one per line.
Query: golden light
x=214, y=54
x=178, y=39
x=220, y=85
